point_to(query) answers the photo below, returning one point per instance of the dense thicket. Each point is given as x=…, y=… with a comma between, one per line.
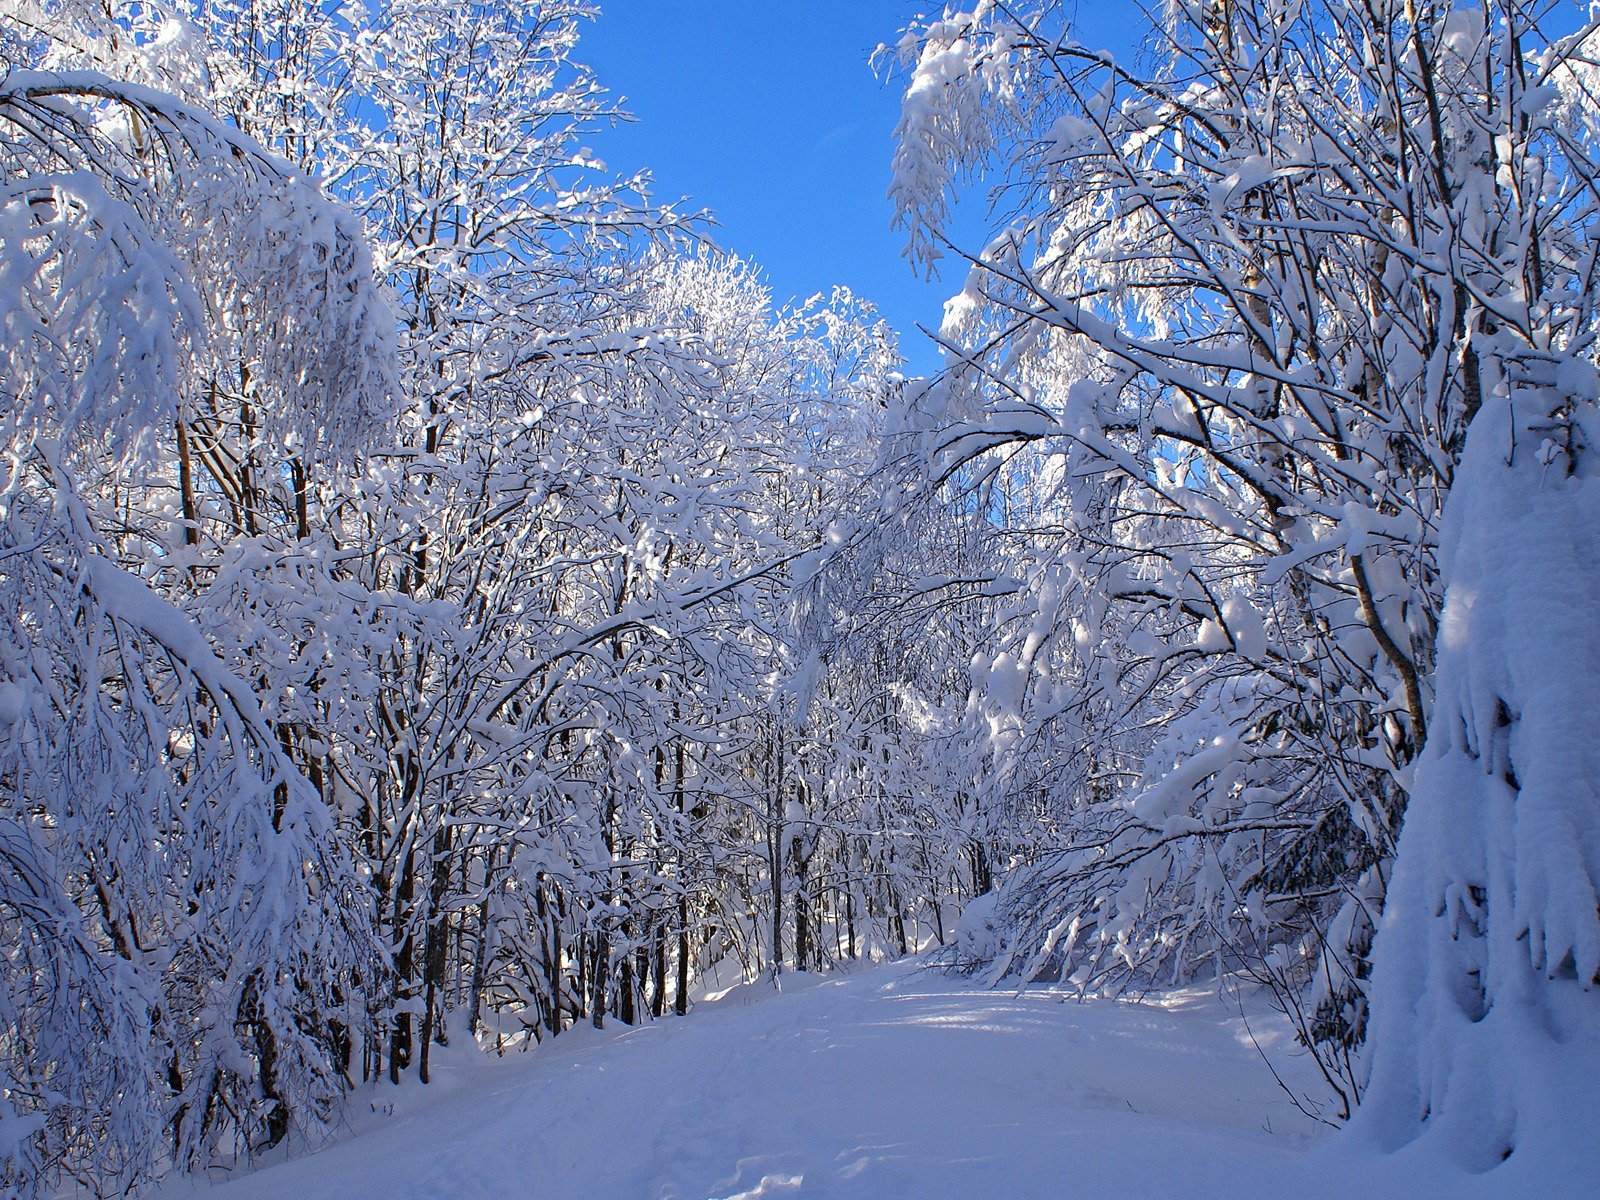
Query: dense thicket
x=406, y=538
x=1216, y=371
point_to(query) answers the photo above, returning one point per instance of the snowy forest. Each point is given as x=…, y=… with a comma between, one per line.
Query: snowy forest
x=444, y=601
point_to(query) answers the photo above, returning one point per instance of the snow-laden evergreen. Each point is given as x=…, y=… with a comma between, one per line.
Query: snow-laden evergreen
x=1486, y=1034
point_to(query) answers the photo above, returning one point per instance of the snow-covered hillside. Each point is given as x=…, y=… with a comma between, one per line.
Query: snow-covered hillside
x=891, y=1082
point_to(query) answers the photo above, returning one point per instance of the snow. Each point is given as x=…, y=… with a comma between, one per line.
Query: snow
x=892, y=1081
x=608, y=651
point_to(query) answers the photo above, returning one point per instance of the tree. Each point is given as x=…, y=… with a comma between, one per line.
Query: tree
x=466, y=627
x=188, y=941
x=1485, y=1023
x=1252, y=298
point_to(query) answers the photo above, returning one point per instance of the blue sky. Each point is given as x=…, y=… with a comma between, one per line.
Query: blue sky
x=768, y=113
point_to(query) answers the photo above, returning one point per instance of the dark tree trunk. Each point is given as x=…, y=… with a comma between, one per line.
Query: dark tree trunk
x=626, y=984
x=434, y=956
x=400, y=1038
x=982, y=876
x=597, y=994
x=680, y=1002
x=276, y=1114
x=775, y=843
x=658, y=999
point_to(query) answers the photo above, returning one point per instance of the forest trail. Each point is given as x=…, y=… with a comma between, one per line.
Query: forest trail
x=888, y=1082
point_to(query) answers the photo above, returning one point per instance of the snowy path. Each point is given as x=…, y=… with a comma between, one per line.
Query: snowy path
x=888, y=1083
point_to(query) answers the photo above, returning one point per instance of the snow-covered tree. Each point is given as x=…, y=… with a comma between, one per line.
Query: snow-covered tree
x=184, y=940
x=1486, y=1013
x=1251, y=298
x=504, y=623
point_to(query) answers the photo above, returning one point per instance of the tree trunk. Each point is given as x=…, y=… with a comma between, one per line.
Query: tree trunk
x=680, y=1002
x=434, y=956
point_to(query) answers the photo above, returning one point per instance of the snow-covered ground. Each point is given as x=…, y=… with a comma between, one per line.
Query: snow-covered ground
x=889, y=1082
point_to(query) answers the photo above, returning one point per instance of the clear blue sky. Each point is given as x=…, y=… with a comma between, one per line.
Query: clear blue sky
x=768, y=113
